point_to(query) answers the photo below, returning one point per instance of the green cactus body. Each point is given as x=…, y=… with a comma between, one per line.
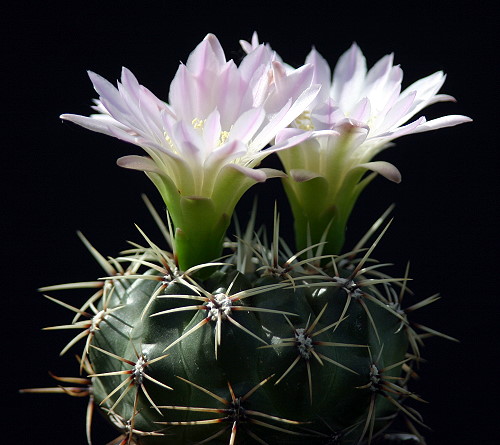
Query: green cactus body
x=276, y=355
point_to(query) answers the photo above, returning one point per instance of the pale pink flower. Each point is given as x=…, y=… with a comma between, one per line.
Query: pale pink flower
x=204, y=144
x=357, y=114
x=219, y=119
x=373, y=101
x=369, y=104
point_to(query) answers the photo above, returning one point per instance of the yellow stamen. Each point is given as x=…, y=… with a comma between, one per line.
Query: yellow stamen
x=197, y=123
x=304, y=121
x=224, y=136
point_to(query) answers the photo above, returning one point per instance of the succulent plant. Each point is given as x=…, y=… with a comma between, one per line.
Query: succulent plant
x=208, y=338
x=272, y=346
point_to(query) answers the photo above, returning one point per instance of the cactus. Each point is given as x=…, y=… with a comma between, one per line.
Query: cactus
x=267, y=347
x=207, y=338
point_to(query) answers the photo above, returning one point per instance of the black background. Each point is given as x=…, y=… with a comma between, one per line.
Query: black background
x=59, y=178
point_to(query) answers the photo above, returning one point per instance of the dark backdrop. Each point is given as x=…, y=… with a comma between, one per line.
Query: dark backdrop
x=60, y=178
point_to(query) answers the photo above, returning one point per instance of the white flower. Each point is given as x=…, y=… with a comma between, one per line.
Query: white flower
x=204, y=144
x=373, y=100
x=368, y=103
x=219, y=116
x=357, y=113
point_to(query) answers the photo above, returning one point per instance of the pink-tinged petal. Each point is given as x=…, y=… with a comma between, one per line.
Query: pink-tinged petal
x=283, y=145
x=184, y=94
x=325, y=116
x=301, y=175
x=348, y=76
x=216, y=48
x=89, y=123
x=189, y=142
x=140, y=163
x=110, y=121
x=99, y=107
x=387, y=100
x=351, y=127
x=247, y=124
x=270, y=130
x=212, y=129
x=442, y=122
x=145, y=115
x=397, y=114
x=398, y=132
x=125, y=135
x=272, y=173
x=245, y=46
x=427, y=86
x=384, y=93
x=288, y=133
x=361, y=111
x=225, y=153
x=392, y=88
x=255, y=174
x=253, y=61
x=378, y=75
x=321, y=74
x=131, y=84
x=108, y=93
x=285, y=116
x=426, y=89
x=288, y=85
x=163, y=150
x=279, y=75
x=220, y=159
x=208, y=55
x=440, y=98
x=230, y=91
x=383, y=168
x=249, y=47
x=127, y=117
x=259, y=87
x=144, y=98
x=151, y=147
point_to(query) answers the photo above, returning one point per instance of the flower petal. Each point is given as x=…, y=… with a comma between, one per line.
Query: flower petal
x=287, y=133
x=442, y=122
x=208, y=55
x=140, y=163
x=321, y=74
x=272, y=173
x=400, y=131
x=184, y=95
x=108, y=92
x=301, y=175
x=247, y=124
x=348, y=77
x=255, y=174
x=88, y=122
x=249, y=47
x=385, y=169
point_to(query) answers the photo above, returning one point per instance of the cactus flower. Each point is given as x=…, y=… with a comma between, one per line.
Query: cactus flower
x=355, y=116
x=204, y=144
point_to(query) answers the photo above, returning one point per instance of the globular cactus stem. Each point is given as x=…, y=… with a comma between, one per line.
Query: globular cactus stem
x=270, y=347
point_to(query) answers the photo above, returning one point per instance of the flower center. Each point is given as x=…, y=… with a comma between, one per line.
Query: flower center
x=199, y=124
x=304, y=121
